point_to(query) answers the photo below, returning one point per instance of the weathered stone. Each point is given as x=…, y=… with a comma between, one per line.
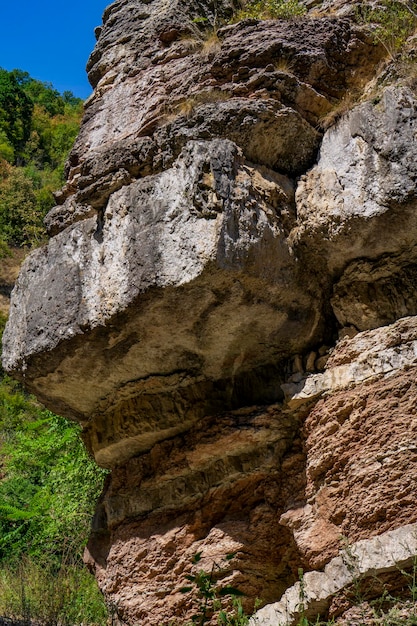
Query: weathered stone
x=69, y=213
x=268, y=132
x=382, y=352
x=363, y=185
x=208, y=227
x=192, y=278
x=359, y=442
x=365, y=559
x=184, y=485
x=327, y=54
x=299, y=80
x=374, y=293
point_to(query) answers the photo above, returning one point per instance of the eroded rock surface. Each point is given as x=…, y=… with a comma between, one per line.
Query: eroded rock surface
x=214, y=490
x=227, y=305
x=360, y=561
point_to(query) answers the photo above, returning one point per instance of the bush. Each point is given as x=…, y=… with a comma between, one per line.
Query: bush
x=393, y=22
x=38, y=126
x=49, y=483
x=272, y=9
x=15, y=111
x=48, y=488
x=20, y=220
x=208, y=596
x=66, y=596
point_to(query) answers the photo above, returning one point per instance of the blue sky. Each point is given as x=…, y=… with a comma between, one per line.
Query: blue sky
x=50, y=39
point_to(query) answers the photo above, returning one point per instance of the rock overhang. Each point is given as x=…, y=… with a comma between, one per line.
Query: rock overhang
x=163, y=302
x=189, y=269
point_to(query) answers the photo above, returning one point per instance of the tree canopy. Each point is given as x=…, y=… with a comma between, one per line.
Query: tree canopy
x=38, y=126
x=16, y=110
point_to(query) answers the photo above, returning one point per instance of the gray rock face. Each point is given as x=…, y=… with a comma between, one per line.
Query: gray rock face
x=265, y=79
x=374, y=293
x=356, y=211
x=178, y=255
x=208, y=248
x=363, y=184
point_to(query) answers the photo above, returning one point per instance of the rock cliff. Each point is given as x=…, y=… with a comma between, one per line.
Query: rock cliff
x=227, y=305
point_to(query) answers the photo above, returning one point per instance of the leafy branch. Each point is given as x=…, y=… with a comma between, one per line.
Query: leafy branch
x=210, y=594
x=393, y=21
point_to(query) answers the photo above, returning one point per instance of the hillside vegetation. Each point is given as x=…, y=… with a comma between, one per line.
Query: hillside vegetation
x=38, y=126
x=48, y=483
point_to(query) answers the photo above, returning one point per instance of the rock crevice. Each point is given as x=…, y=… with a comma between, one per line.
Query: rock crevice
x=226, y=303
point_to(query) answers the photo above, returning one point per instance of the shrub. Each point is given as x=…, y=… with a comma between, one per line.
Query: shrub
x=48, y=488
x=20, y=221
x=49, y=483
x=272, y=9
x=393, y=22
x=208, y=595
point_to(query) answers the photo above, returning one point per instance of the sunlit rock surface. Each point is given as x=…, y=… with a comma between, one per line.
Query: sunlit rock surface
x=227, y=305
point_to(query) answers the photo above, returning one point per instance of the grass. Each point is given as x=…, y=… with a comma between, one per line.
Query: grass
x=211, y=44
x=391, y=23
x=67, y=596
x=188, y=105
x=48, y=486
x=343, y=106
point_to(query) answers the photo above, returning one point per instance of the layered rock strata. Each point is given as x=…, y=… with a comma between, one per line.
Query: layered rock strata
x=226, y=304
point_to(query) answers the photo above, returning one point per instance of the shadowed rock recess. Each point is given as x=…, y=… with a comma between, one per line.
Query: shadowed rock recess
x=227, y=304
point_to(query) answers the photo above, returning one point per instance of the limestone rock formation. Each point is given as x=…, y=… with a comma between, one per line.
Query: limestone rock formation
x=227, y=305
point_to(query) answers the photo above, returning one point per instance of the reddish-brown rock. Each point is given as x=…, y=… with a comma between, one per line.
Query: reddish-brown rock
x=361, y=464
x=208, y=249
x=215, y=490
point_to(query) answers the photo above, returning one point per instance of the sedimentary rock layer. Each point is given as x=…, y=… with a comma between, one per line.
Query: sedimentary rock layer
x=227, y=302
x=369, y=558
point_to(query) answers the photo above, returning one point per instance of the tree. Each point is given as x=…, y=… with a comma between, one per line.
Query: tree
x=15, y=111
x=20, y=220
x=45, y=96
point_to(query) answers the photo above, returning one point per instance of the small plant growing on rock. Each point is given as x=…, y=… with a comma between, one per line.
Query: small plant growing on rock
x=302, y=621
x=271, y=9
x=393, y=22
x=209, y=595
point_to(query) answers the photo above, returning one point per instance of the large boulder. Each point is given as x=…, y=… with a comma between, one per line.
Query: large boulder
x=212, y=259
x=161, y=307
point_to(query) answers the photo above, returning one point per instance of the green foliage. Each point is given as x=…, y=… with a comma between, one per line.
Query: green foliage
x=49, y=483
x=48, y=488
x=393, y=22
x=20, y=220
x=66, y=596
x=51, y=137
x=54, y=123
x=15, y=111
x=208, y=595
x=272, y=9
x=4, y=251
x=38, y=126
x=6, y=148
